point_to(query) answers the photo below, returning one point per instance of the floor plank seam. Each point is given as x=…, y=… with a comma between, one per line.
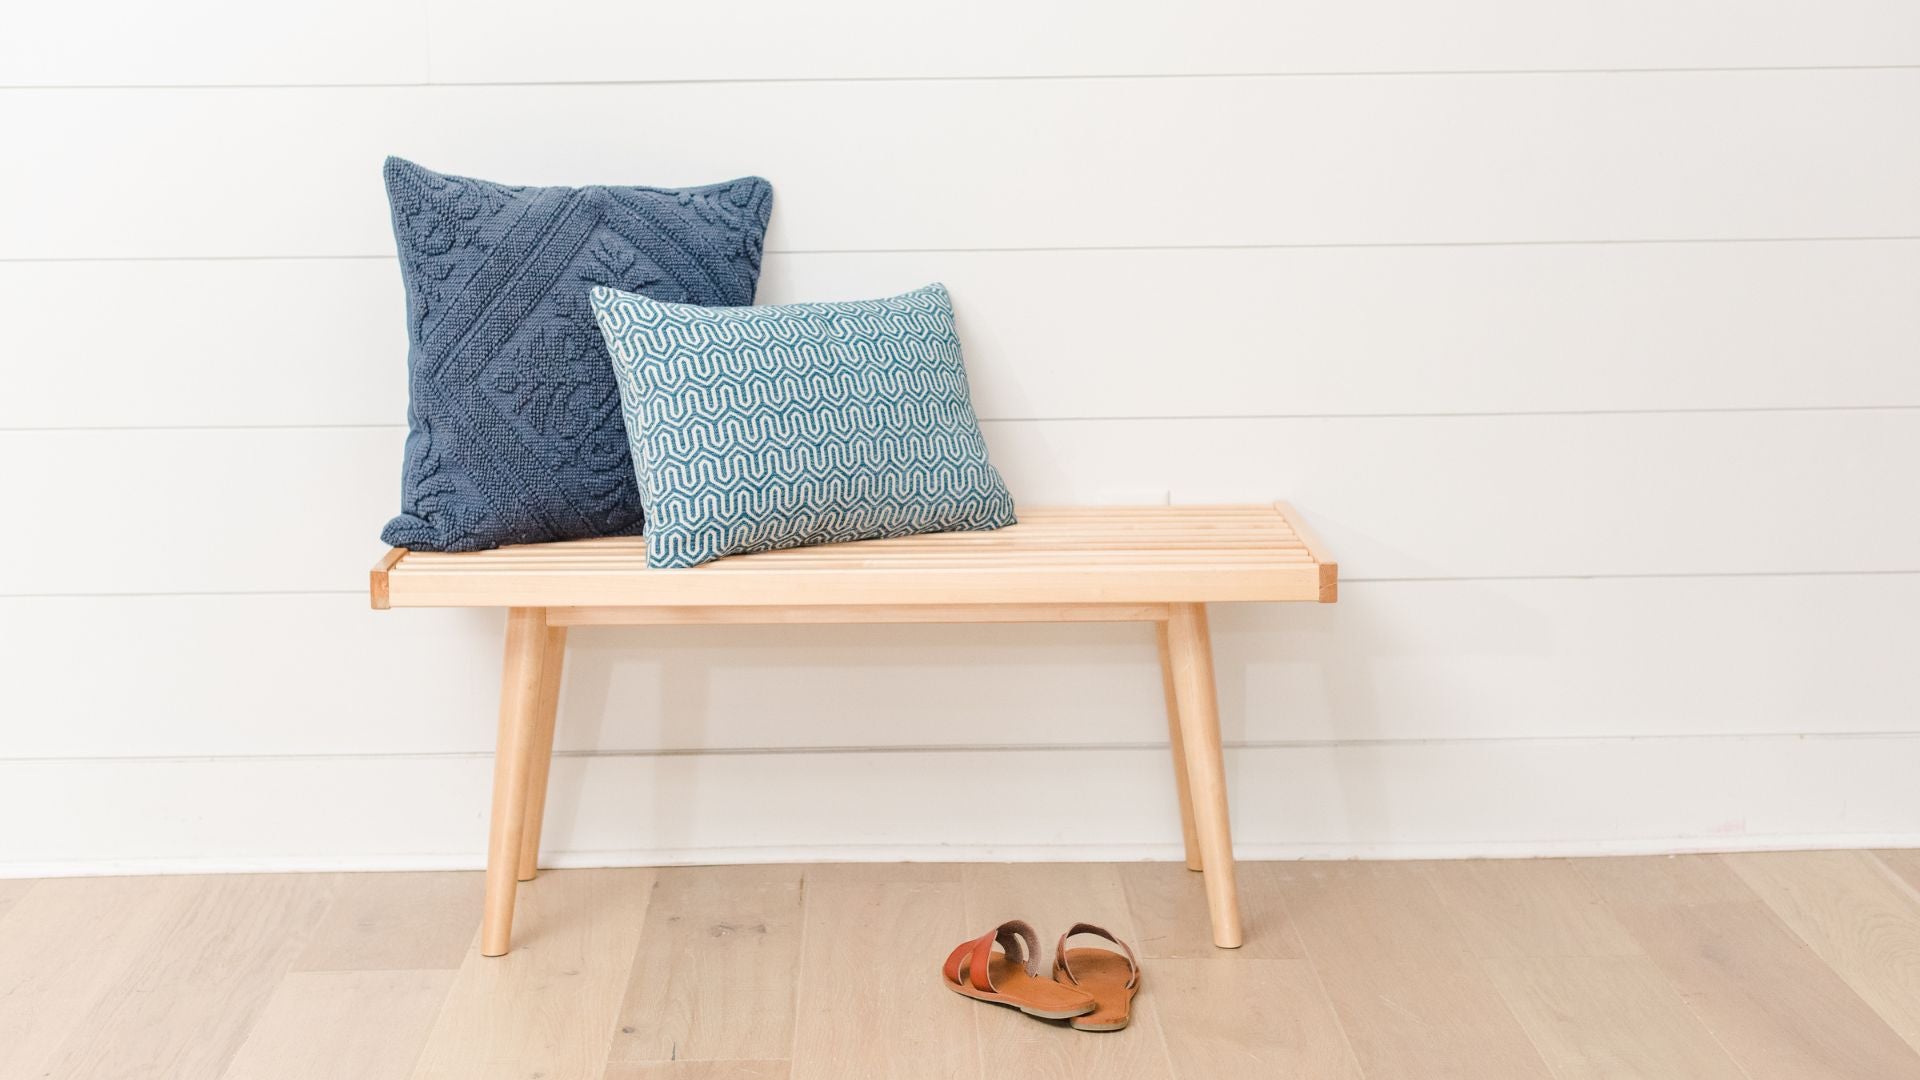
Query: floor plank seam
x=1640, y=941
x=800, y=958
x=1910, y=889
x=1279, y=901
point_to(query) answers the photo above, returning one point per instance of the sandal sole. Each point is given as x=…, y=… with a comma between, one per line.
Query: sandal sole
x=1044, y=1014
x=1103, y=973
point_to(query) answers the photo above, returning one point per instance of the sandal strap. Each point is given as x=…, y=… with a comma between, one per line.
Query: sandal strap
x=952, y=970
x=1060, y=952
x=973, y=959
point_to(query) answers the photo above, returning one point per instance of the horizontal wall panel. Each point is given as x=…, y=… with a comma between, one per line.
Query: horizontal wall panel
x=1518, y=496
x=1293, y=332
x=247, y=675
x=767, y=39
x=210, y=42
x=1632, y=657
x=1566, y=797
x=917, y=165
x=196, y=510
x=195, y=343
x=276, y=675
x=1395, y=497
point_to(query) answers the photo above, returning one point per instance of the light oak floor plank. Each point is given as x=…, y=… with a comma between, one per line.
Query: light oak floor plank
x=883, y=873
x=328, y=1025
x=1751, y=967
x=1592, y=1003
x=714, y=976
x=547, y=1008
x=870, y=1005
x=697, y=1070
x=66, y=946
x=1609, y=1018
x=185, y=1006
x=1655, y=881
x=1905, y=864
x=1265, y=1018
x=1169, y=907
x=1859, y=918
x=11, y=890
x=1054, y=896
x=1528, y=908
x=1414, y=1001
x=1777, y=1009
x=406, y=922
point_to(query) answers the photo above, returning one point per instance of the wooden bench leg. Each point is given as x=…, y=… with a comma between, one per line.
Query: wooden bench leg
x=1187, y=835
x=545, y=712
x=1190, y=653
x=512, y=769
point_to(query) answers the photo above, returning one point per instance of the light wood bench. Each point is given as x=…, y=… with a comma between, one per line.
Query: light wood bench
x=1157, y=564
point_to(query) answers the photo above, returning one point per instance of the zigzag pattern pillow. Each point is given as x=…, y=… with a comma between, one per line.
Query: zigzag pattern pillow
x=794, y=424
x=513, y=436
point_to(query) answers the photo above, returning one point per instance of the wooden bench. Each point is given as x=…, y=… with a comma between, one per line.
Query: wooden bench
x=1157, y=564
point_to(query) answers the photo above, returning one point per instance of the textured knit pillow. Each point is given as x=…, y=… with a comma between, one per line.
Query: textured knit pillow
x=515, y=434
x=781, y=426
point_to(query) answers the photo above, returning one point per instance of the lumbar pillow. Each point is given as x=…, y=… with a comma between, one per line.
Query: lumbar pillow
x=794, y=424
x=513, y=414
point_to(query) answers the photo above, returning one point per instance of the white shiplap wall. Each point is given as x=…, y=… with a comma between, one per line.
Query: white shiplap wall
x=1585, y=333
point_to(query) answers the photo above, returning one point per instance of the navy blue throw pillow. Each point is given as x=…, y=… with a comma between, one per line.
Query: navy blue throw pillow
x=514, y=430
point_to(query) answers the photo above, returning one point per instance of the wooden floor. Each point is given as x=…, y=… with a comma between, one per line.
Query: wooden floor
x=1762, y=967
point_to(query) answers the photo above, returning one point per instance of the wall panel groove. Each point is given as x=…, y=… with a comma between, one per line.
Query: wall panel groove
x=1282, y=333
x=919, y=749
x=1395, y=161
x=1403, y=498
x=225, y=42
x=1119, y=419
x=1391, y=662
x=1666, y=241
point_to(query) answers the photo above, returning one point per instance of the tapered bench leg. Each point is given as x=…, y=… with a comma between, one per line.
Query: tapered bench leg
x=545, y=712
x=1190, y=656
x=520, y=685
x=1187, y=835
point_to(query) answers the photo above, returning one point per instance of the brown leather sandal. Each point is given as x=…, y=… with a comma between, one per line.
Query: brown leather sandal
x=1112, y=978
x=1010, y=978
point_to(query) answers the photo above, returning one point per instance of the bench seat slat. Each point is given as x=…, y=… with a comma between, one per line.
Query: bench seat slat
x=1072, y=555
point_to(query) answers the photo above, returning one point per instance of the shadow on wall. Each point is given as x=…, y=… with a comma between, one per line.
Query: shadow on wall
x=1376, y=668
x=1361, y=672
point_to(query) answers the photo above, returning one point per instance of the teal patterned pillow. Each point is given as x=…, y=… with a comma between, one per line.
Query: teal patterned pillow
x=756, y=428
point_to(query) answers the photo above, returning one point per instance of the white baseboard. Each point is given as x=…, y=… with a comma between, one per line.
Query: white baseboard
x=580, y=860
x=1505, y=798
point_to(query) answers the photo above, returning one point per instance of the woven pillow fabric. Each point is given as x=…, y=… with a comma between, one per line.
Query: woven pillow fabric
x=514, y=431
x=795, y=424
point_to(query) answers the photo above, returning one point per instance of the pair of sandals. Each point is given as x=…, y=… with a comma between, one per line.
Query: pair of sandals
x=1091, y=988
